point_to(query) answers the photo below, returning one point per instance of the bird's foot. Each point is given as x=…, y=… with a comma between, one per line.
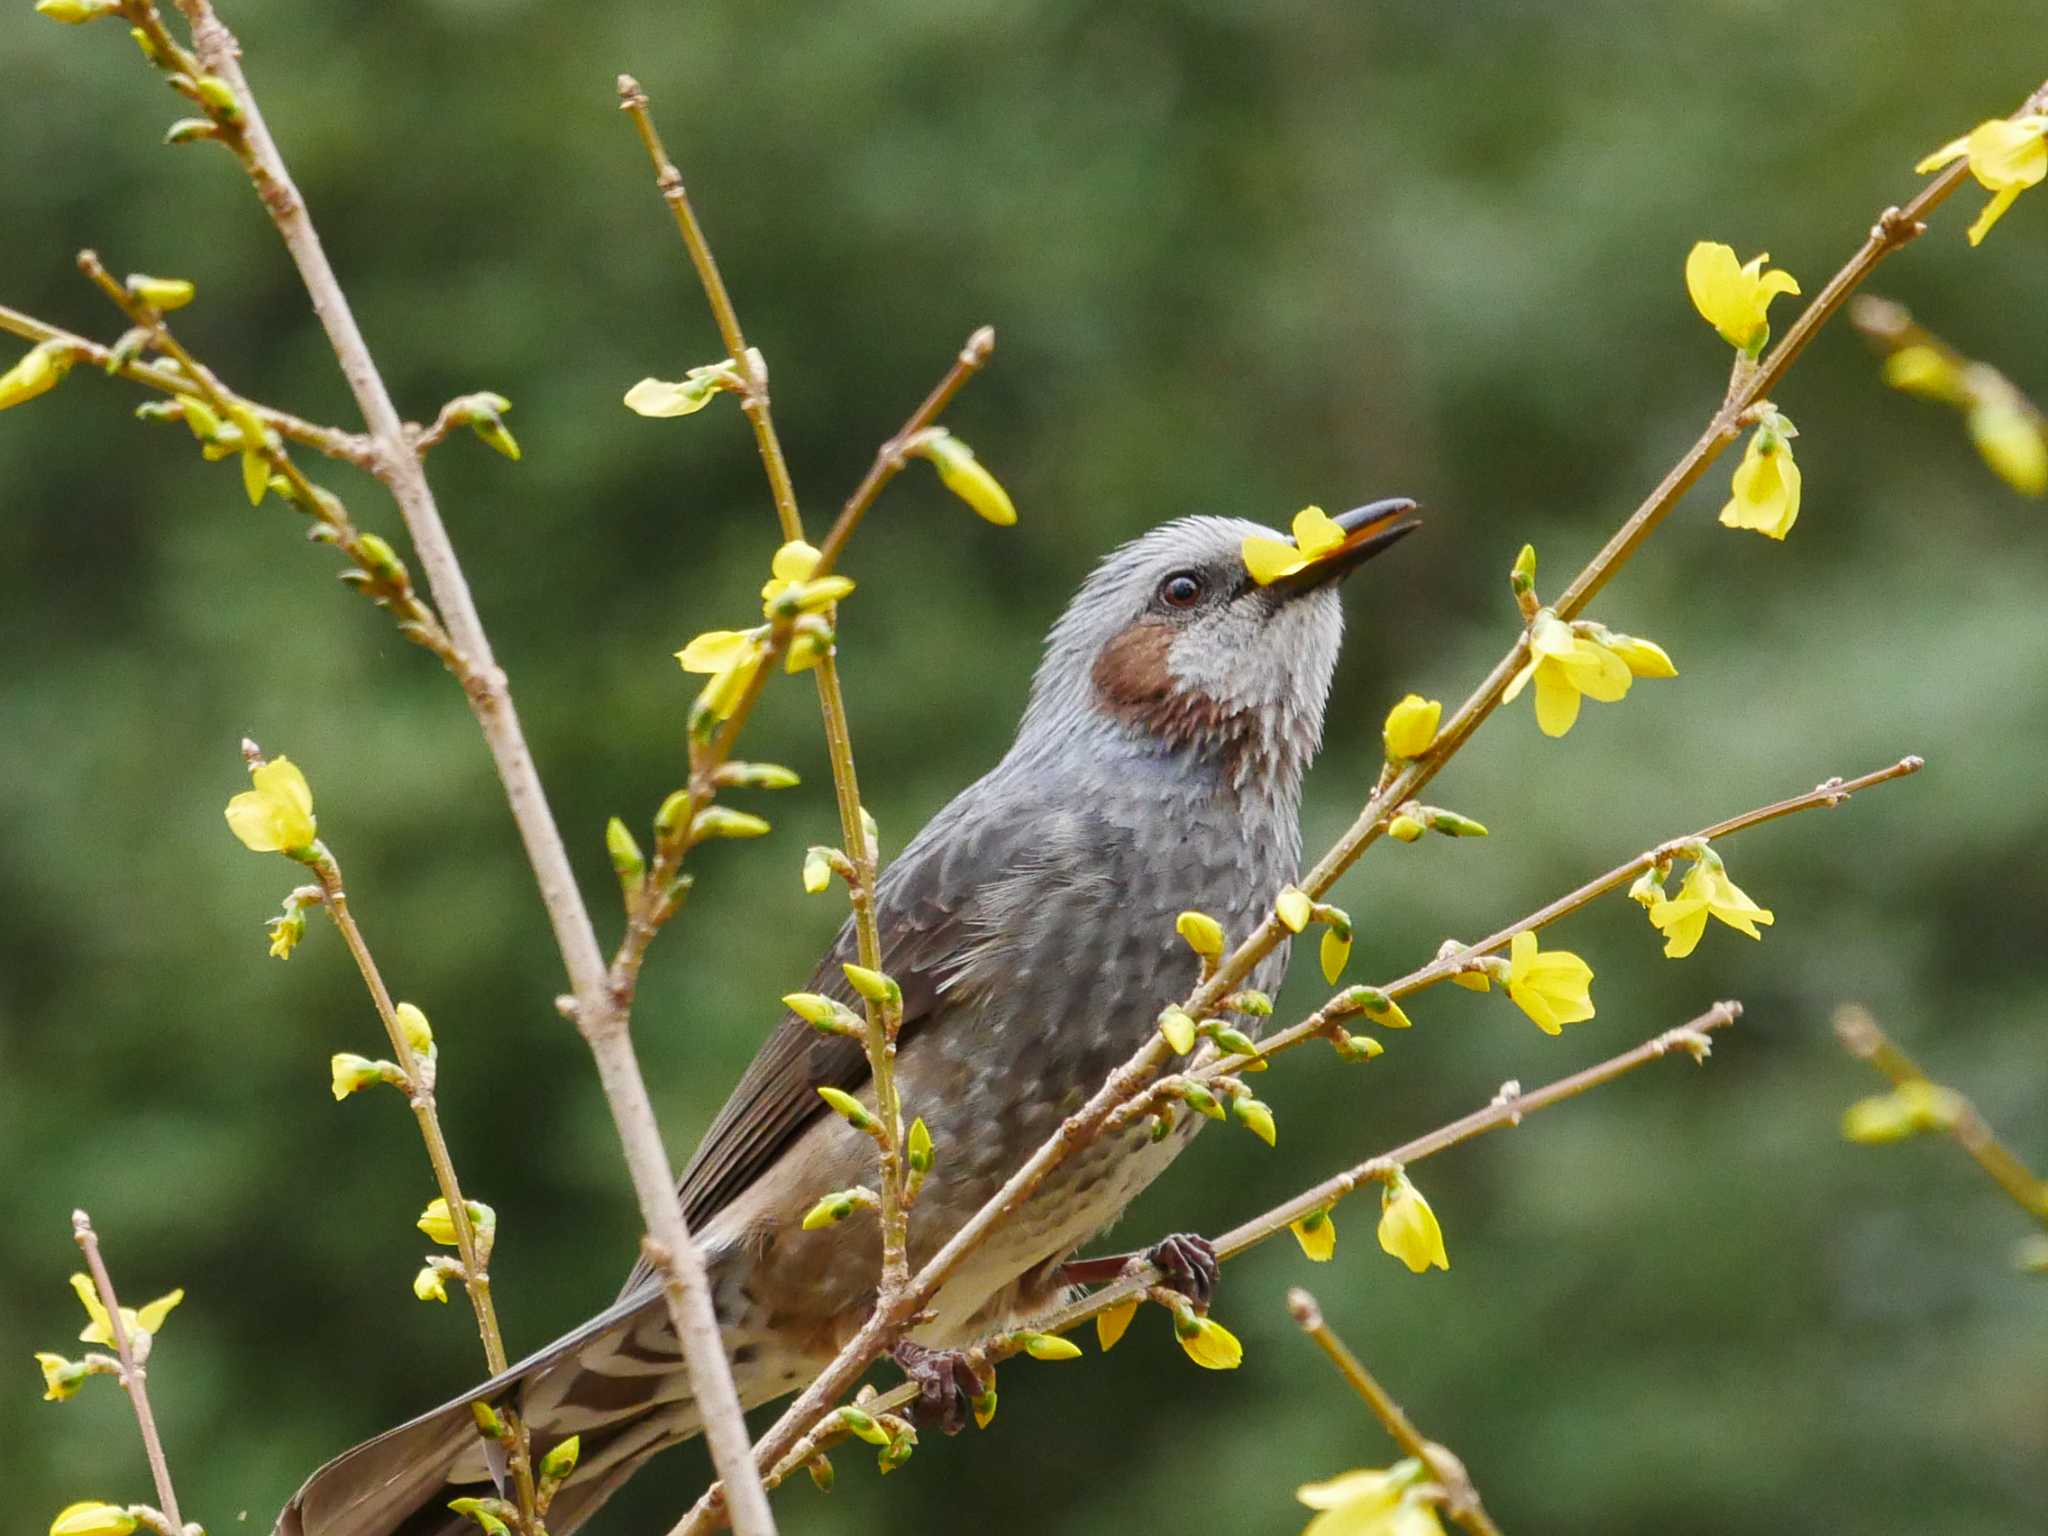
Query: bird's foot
x=947, y=1384
x=1189, y=1265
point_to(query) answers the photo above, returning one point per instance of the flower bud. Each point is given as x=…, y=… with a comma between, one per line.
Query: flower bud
x=1294, y=909
x=920, y=1153
x=1522, y=579
x=965, y=477
x=161, y=293
x=1206, y=1342
x=1317, y=1235
x=35, y=374
x=1111, y=1322
x=1377, y=1006
x=91, y=1517
x=484, y=1512
x=353, y=1073
x=1178, y=1029
x=757, y=776
x=628, y=862
x=823, y=1013
x=412, y=1024
x=862, y=1426
x=1411, y=727
x=716, y=821
x=439, y=1223
x=1405, y=829
x=1230, y=1039
x=377, y=557
x=673, y=817
x=561, y=1461
x=1256, y=1118
x=1201, y=1101
x=1048, y=1346
x=1334, y=953
x=72, y=12
x=817, y=870
x=61, y=1377
x=877, y=988
x=836, y=1207
x=1252, y=1003
x=984, y=1408
x=820, y=1468
x=219, y=95
x=658, y=397
x=430, y=1284
x=190, y=130
x=851, y=1109
x=1204, y=935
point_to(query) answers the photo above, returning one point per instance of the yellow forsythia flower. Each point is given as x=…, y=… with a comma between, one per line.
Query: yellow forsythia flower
x=1111, y=1322
x=1203, y=933
x=1206, y=1342
x=1408, y=1227
x=351, y=1073
x=430, y=1284
x=1317, y=1234
x=716, y=649
x=1734, y=297
x=1706, y=892
x=1316, y=534
x=2005, y=157
x=1566, y=665
x=966, y=477
x=2011, y=440
x=1334, y=953
x=61, y=1377
x=277, y=815
x=1370, y=1502
x=1411, y=726
x=793, y=563
x=1553, y=987
x=140, y=1323
x=90, y=1517
x=660, y=397
x=1766, y=483
x=439, y=1223
x=35, y=374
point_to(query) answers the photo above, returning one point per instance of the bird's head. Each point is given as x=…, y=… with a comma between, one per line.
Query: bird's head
x=1174, y=648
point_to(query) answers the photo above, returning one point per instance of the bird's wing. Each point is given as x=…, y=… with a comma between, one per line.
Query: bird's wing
x=934, y=909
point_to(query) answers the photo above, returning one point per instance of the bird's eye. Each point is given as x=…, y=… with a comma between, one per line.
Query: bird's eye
x=1183, y=589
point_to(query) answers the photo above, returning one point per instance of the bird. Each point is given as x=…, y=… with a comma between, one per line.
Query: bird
x=1158, y=767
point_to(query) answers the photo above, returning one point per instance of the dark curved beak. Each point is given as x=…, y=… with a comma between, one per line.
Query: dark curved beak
x=1367, y=531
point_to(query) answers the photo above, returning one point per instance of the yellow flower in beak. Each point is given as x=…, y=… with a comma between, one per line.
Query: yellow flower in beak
x=1316, y=534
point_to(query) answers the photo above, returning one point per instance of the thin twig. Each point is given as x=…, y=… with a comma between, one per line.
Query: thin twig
x=1461, y=1499
x=600, y=1019
x=349, y=447
x=1505, y=1110
x=133, y=1376
x=1862, y=1038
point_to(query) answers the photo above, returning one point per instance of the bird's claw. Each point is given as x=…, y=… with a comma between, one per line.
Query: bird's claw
x=947, y=1384
x=1189, y=1265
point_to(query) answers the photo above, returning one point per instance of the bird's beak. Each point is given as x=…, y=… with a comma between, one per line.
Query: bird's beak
x=1367, y=531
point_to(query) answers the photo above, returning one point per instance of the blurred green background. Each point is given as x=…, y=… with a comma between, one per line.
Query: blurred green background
x=1240, y=258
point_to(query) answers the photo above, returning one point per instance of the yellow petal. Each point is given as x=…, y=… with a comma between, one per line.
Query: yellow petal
x=1111, y=1322
x=1993, y=212
x=1294, y=909
x=1316, y=533
x=430, y=1284
x=1557, y=701
x=1334, y=953
x=794, y=561
x=1208, y=1343
x=659, y=397
x=99, y=1330
x=1411, y=726
x=1270, y=559
x=1953, y=149
x=1317, y=1234
x=1644, y=658
x=1596, y=671
x=716, y=649
x=1519, y=681
x=1710, y=271
x=1408, y=1228
x=2009, y=155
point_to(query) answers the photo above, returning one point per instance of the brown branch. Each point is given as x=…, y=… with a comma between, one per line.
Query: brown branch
x=133, y=1377
x=1862, y=1038
x=1461, y=1499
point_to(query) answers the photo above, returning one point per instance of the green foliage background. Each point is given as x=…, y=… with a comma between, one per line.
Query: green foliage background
x=1240, y=258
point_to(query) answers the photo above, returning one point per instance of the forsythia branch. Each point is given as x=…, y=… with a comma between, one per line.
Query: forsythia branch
x=132, y=1373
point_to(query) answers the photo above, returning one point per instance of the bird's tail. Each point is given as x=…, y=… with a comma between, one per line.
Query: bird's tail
x=617, y=1382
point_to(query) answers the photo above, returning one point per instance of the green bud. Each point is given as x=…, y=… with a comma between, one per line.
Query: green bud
x=673, y=816
x=561, y=1461
x=837, y=1206
x=1522, y=579
x=380, y=560
x=877, y=988
x=1451, y=824
x=1202, y=1101
x=862, y=1426
x=817, y=870
x=485, y=1512
x=126, y=350
x=824, y=1014
x=190, y=130
x=220, y=96
x=851, y=1109
x=722, y=821
x=1255, y=1117
x=1235, y=1041
x=984, y=1408
x=627, y=860
x=160, y=410
x=758, y=776
x=919, y=1152
x=1359, y=1048
x=1253, y=1004
x=897, y=1452
x=872, y=833
x=482, y=413
x=1158, y=1127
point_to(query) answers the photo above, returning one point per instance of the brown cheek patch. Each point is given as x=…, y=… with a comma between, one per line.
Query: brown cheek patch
x=1131, y=674
x=1132, y=680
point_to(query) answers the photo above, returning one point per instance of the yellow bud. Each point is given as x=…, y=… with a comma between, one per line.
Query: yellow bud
x=1379, y=1007
x=439, y=1223
x=659, y=397
x=480, y=1510
x=72, y=12
x=2010, y=440
x=90, y=1517
x=220, y=96
x=1256, y=1118
x=1411, y=726
x=561, y=1461
x=1405, y=829
x=863, y=1426
x=822, y=1012
x=984, y=1408
x=965, y=477
x=413, y=1025
x=1294, y=909
x=161, y=292
x=673, y=816
x=817, y=870
x=1335, y=953
x=1203, y=933
x=430, y=1284
x=873, y=985
x=851, y=1109
x=1179, y=1030
x=628, y=862
x=1049, y=1346
x=35, y=374
x=716, y=821
x=919, y=1147
x=1925, y=371
x=1111, y=1322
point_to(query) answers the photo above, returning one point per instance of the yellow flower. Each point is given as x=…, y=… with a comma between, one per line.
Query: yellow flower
x=1909, y=1109
x=1926, y=371
x=36, y=373
x=1203, y=933
x=1294, y=909
x=1766, y=483
x=439, y=1223
x=1316, y=534
x=140, y=1324
x=1208, y=1343
x=2012, y=442
x=351, y=1073
x=964, y=475
x=90, y=1517
x=1370, y=1502
x=660, y=397
x=1553, y=988
x=1334, y=952
x=1734, y=297
x=2005, y=157
x=1408, y=1228
x=731, y=657
x=1566, y=665
x=1706, y=892
x=793, y=563
x=277, y=815
x=430, y=1284
x=286, y=929
x=1317, y=1234
x=1411, y=726
x=61, y=1377
x=1111, y=1322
